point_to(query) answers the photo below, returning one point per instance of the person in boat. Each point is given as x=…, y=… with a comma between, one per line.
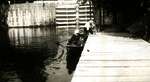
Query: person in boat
x=75, y=39
x=89, y=26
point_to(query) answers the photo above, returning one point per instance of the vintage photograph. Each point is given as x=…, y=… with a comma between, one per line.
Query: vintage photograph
x=75, y=41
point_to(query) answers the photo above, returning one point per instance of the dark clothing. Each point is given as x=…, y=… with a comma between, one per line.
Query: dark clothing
x=75, y=40
x=88, y=31
x=85, y=31
x=91, y=30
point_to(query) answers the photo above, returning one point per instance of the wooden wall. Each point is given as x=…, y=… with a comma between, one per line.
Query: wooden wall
x=31, y=14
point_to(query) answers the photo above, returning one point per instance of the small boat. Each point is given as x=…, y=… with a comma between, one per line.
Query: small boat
x=74, y=46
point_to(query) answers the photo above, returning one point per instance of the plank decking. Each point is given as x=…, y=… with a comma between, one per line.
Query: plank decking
x=109, y=58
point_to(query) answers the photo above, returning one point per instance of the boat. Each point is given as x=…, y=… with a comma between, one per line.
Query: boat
x=74, y=46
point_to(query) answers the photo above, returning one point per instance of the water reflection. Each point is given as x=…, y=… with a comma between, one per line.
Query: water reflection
x=29, y=48
x=34, y=55
x=5, y=51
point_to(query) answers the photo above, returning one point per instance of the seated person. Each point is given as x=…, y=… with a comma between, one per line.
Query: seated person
x=89, y=26
x=75, y=39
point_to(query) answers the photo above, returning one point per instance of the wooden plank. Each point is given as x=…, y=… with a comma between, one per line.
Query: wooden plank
x=112, y=58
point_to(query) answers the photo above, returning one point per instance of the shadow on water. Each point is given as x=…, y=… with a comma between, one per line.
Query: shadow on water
x=24, y=54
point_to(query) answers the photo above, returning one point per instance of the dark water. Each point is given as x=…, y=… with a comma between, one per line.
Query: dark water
x=30, y=53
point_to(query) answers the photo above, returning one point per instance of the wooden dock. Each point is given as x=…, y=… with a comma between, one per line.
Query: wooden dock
x=110, y=58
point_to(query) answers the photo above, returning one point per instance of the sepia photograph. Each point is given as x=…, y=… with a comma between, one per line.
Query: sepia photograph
x=75, y=41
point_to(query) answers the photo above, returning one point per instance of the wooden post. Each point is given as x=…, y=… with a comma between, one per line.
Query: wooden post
x=77, y=16
x=90, y=10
